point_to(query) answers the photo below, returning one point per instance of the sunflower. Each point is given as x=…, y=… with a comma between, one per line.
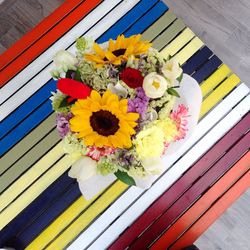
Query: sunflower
x=119, y=50
x=103, y=120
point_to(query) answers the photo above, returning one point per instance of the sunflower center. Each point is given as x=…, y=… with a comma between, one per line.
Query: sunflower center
x=119, y=52
x=104, y=122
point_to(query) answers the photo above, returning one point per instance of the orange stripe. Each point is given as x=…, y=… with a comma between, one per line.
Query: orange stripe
x=203, y=203
x=46, y=40
x=213, y=213
x=33, y=35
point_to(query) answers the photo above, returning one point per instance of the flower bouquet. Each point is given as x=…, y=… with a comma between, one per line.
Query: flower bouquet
x=121, y=106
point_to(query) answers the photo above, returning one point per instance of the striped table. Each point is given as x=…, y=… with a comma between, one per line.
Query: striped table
x=42, y=208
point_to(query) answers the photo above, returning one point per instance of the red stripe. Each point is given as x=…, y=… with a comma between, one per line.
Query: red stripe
x=31, y=37
x=216, y=191
x=174, y=192
x=213, y=213
x=45, y=41
x=192, y=194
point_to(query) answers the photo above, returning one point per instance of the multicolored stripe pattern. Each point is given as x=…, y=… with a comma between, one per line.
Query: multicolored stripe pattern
x=42, y=208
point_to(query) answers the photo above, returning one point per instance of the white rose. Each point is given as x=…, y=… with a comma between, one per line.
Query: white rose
x=172, y=70
x=83, y=169
x=154, y=85
x=152, y=165
x=64, y=60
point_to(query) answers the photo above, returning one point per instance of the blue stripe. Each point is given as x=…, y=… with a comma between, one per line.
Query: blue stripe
x=152, y=15
x=147, y=19
x=25, y=127
x=36, y=208
x=26, y=108
x=207, y=69
x=129, y=19
x=26, y=219
x=48, y=216
x=197, y=60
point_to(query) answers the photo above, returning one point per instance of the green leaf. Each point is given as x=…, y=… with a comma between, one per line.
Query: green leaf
x=179, y=79
x=64, y=103
x=173, y=92
x=124, y=177
x=77, y=76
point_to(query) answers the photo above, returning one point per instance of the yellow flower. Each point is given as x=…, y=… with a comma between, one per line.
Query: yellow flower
x=119, y=50
x=103, y=120
x=149, y=142
x=168, y=127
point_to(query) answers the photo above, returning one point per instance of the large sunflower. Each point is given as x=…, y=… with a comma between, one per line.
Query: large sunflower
x=103, y=120
x=119, y=50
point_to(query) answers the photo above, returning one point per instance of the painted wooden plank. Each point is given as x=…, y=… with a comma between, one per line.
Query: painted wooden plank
x=163, y=22
x=186, y=200
x=26, y=143
x=34, y=191
x=71, y=196
x=86, y=217
x=197, y=60
x=41, y=29
x=212, y=81
x=45, y=41
x=28, y=177
x=189, y=50
x=36, y=208
x=213, y=213
x=207, y=69
x=193, y=213
x=25, y=127
x=159, y=9
x=37, y=78
x=179, y=42
x=26, y=108
x=117, y=218
x=30, y=158
x=179, y=187
x=219, y=93
x=168, y=35
x=58, y=225
x=129, y=19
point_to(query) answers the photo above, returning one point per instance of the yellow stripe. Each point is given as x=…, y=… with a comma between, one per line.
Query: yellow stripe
x=189, y=50
x=84, y=220
x=34, y=191
x=178, y=42
x=32, y=174
x=60, y=223
x=212, y=81
x=225, y=88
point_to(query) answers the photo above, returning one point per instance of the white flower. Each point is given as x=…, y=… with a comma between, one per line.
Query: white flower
x=172, y=70
x=152, y=165
x=118, y=89
x=83, y=169
x=154, y=85
x=64, y=60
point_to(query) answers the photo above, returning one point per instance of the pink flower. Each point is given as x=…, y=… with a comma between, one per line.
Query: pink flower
x=96, y=153
x=180, y=117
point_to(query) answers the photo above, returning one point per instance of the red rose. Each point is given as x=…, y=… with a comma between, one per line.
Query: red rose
x=132, y=77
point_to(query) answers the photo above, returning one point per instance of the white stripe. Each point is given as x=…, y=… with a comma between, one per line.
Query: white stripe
x=109, y=233
x=38, y=81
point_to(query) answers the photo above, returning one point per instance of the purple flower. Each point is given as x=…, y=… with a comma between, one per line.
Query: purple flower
x=62, y=123
x=139, y=104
